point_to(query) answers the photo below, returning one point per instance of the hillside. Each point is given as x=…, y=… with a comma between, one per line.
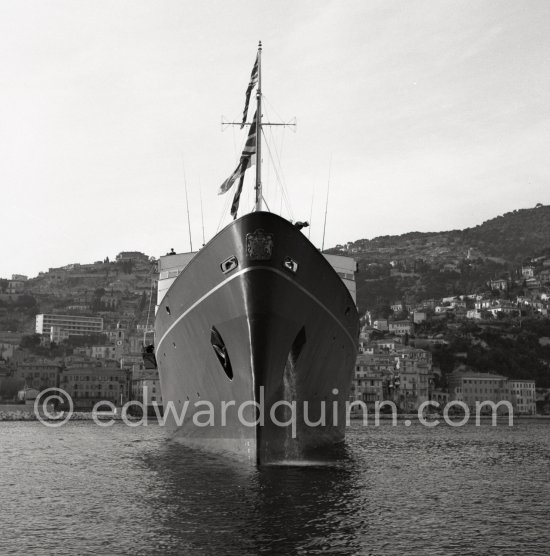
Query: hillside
x=410, y=267
x=117, y=290
x=523, y=233
x=420, y=265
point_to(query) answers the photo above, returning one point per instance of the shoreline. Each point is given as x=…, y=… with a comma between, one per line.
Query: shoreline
x=414, y=417
x=26, y=413
x=23, y=412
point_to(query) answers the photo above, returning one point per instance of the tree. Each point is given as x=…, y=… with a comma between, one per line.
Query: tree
x=127, y=267
x=10, y=386
x=26, y=301
x=30, y=342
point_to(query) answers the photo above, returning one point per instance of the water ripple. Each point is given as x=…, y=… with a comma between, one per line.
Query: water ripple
x=395, y=490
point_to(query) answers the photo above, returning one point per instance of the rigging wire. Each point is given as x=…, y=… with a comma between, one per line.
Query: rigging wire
x=268, y=209
x=148, y=311
x=187, y=203
x=277, y=163
x=285, y=197
x=326, y=204
x=202, y=211
x=228, y=200
x=284, y=193
x=234, y=141
x=311, y=211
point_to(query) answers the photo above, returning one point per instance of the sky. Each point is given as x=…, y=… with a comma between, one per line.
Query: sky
x=421, y=115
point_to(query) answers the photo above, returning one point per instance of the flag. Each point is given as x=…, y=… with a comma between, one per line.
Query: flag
x=253, y=81
x=228, y=183
x=247, y=159
x=235, y=204
x=250, y=145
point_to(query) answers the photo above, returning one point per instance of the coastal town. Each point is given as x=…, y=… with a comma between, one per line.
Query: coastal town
x=83, y=328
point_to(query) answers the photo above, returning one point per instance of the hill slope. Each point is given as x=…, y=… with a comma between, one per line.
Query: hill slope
x=420, y=265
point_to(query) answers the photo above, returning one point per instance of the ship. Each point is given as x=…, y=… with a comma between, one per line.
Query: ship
x=256, y=333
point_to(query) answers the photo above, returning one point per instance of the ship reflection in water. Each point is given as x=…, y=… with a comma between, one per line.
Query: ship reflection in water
x=280, y=509
x=82, y=489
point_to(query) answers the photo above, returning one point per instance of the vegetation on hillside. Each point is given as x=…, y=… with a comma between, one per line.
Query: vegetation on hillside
x=504, y=348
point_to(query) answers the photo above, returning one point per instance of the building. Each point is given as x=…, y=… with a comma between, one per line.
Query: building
x=419, y=316
x=39, y=374
x=401, y=374
x=381, y=324
x=441, y=397
x=105, y=352
x=27, y=394
x=73, y=325
x=543, y=401
x=401, y=327
x=373, y=374
x=414, y=354
x=7, y=350
x=397, y=307
x=473, y=314
x=145, y=388
x=89, y=385
x=483, y=303
x=346, y=268
x=131, y=256
x=117, y=335
x=471, y=387
x=9, y=342
x=500, y=284
x=382, y=346
x=505, y=307
x=440, y=309
x=58, y=334
x=135, y=342
x=429, y=303
x=414, y=382
x=16, y=287
x=523, y=396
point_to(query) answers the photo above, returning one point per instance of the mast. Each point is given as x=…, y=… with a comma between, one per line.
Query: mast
x=244, y=163
x=259, y=132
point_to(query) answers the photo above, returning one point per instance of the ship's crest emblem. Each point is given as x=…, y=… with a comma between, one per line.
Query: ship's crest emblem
x=259, y=245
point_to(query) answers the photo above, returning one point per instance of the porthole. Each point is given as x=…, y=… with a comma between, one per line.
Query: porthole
x=221, y=352
x=229, y=264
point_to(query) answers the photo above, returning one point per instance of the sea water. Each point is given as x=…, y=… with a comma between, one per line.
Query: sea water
x=83, y=489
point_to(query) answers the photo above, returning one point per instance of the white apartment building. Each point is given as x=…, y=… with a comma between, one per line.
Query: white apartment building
x=73, y=325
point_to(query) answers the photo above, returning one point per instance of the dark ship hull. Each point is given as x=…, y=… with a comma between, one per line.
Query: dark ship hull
x=258, y=315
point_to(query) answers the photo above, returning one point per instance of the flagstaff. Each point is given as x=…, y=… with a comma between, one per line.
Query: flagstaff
x=252, y=152
x=259, y=132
